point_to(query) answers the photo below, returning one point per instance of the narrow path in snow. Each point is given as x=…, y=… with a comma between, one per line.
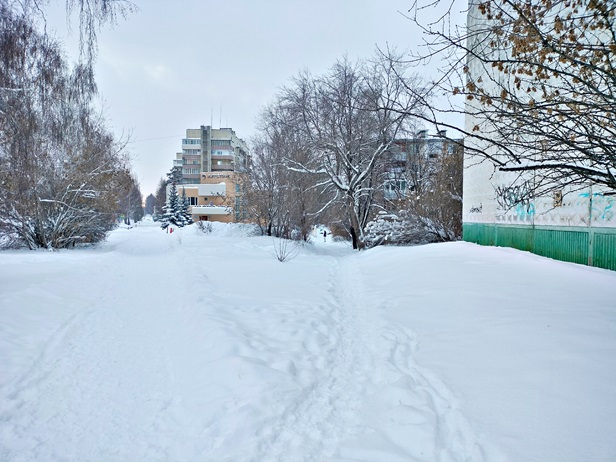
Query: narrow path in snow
x=417, y=416
x=324, y=412
x=367, y=374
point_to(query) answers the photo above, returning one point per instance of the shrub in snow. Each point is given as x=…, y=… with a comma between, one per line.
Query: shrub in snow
x=204, y=226
x=397, y=229
x=285, y=249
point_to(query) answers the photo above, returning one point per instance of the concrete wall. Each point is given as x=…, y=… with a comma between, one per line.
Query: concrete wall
x=576, y=225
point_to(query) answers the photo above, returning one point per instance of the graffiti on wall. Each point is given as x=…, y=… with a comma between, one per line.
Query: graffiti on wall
x=601, y=206
x=517, y=198
x=477, y=209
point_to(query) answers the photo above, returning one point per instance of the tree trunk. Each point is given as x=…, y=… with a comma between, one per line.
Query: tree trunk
x=354, y=238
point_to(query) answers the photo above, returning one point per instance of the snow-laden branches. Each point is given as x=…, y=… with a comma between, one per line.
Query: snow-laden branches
x=345, y=121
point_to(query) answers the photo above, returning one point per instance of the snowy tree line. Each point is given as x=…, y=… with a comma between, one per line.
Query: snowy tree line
x=64, y=178
x=324, y=155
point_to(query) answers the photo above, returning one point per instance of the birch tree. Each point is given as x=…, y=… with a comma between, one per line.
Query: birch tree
x=59, y=164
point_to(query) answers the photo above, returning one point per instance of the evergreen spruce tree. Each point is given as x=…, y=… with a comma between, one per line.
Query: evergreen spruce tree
x=185, y=209
x=172, y=210
x=176, y=211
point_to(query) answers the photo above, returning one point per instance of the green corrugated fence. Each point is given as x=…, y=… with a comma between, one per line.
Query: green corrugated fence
x=588, y=246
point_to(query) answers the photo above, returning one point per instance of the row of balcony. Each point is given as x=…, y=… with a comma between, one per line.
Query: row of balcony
x=210, y=210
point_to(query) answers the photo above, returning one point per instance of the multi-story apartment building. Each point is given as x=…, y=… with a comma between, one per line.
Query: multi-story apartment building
x=213, y=162
x=412, y=162
x=208, y=149
x=501, y=208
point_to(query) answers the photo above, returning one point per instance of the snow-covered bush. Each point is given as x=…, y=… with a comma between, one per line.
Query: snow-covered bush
x=204, y=226
x=402, y=228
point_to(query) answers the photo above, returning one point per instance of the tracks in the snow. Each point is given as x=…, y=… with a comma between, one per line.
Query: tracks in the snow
x=324, y=411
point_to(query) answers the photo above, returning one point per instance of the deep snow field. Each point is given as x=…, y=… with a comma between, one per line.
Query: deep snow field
x=203, y=347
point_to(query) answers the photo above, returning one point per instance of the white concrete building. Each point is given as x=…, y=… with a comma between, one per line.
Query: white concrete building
x=571, y=225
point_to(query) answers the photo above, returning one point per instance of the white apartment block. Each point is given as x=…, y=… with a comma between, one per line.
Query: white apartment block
x=208, y=149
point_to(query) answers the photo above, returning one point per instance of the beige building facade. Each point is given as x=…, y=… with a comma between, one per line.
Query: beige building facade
x=218, y=197
x=213, y=163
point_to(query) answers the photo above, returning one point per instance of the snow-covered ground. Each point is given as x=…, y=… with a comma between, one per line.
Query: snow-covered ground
x=192, y=346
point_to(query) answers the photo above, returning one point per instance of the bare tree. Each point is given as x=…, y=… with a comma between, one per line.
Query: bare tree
x=282, y=200
x=423, y=193
x=265, y=179
x=161, y=198
x=348, y=119
x=92, y=14
x=130, y=201
x=539, y=82
x=59, y=164
x=435, y=200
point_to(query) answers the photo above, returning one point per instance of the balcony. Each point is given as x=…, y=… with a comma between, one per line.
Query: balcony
x=226, y=156
x=211, y=210
x=228, y=167
x=212, y=190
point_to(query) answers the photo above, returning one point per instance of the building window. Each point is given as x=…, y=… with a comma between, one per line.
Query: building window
x=395, y=189
x=558, y=198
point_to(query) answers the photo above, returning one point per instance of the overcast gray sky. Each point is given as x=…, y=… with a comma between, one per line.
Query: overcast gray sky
x=182, y=64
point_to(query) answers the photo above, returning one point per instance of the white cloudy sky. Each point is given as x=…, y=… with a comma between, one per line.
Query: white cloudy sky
x=186, y=63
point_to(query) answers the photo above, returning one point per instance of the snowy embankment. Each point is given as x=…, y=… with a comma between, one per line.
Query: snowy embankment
x=191, y=346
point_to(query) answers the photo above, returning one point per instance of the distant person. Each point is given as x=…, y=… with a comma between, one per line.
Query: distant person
x=324, y=236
